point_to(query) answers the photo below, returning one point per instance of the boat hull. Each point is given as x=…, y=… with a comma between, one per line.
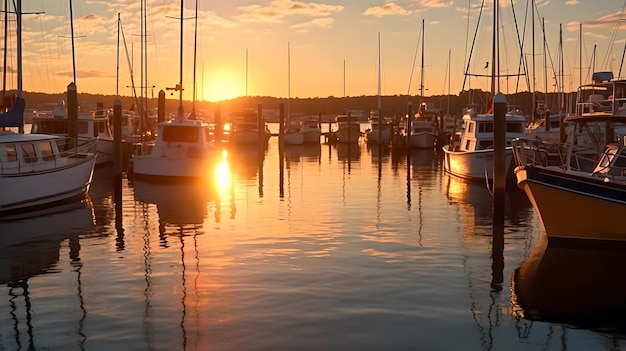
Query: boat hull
x=248, y=136
x=294, y=138
x=564, y=202
x=475, y=165
x=45, y=188
x=312, y=136
x=151, y=167
x=423, y=140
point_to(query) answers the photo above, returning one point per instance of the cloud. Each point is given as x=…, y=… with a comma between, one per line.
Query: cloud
x=435, y=3
x=277, y=10
x=390, y=8
x=572, y=2
x=316, y=23
x=609, y=21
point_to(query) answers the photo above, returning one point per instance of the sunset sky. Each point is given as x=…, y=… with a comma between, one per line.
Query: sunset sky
x=302, y=48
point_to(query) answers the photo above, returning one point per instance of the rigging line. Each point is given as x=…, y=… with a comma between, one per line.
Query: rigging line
x=130, y=66
x=408, y=93
x=522, y=62
x=609, y=49
x=482, y=5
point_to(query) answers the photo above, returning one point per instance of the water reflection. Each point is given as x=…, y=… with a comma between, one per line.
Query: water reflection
x=30, y=247
x=581, y=287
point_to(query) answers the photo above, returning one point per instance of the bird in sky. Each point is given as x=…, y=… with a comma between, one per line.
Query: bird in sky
x=487, y=64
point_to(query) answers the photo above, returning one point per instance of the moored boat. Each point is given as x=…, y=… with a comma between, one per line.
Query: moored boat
x=348, y=129
x=472, y=157
x=311, y=130
x=38, y=171
x=554, y=175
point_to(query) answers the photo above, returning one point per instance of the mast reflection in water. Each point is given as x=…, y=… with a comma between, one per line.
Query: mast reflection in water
x=365, y=249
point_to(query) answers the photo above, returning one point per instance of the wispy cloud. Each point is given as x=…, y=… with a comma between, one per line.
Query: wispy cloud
x=572, y=2
x=390, y=8
x=315, y=23
x=609, y=21
x=277, y=10
x=435, y=3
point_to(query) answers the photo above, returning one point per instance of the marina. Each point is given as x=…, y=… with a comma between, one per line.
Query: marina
x=348, y=246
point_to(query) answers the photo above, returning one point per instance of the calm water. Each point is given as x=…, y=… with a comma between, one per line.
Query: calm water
x=345, y=249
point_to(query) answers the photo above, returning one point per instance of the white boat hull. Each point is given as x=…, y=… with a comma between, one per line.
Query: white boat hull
x=423, y=140
x=295, y=138
x=474, y=165
x=312, y=136
x=24, y=191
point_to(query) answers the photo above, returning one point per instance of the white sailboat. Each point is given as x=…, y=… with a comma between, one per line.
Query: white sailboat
x=37, y=171
x=183, y=149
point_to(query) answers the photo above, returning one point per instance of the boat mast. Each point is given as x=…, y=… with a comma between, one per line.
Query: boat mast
x=422, y=68
x=195, y=41
x=72, y=34
x=379, y=85
x=494, y=49
x=180, y=81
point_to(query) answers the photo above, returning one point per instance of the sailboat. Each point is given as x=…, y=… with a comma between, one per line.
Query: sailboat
x=30, y=163
x=472, y=157
x=294, y=134
x=183, y=149
x=423, y=127
x=380, y=127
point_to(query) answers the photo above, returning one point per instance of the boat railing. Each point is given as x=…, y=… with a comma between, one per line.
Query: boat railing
x=43, y=162
x=536, y=152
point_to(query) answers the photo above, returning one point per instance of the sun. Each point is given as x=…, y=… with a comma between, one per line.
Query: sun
x=221, y=86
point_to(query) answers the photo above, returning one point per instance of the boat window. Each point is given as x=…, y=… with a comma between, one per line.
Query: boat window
x=28, y=152
x=514, y=127
x=621, y=159
x=9, y=153
x=470, y=127
x=179, y=133
x=468, y=143
x=46, y=150
x=485, y=127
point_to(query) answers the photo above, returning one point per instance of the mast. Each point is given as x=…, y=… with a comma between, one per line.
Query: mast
x=422, y=67
x=195, y=41
x=494, y=49
x=180, y=81
x=379, y=86
x=288, y=80
x=72, y=34
x=534, y=102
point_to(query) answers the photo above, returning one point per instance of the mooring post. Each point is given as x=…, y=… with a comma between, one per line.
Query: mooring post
x=161, y=107
x=409, y=120
x=499, y=158
x=260, y=126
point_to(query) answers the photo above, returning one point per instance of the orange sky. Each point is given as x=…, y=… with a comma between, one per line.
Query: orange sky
x=326, y=38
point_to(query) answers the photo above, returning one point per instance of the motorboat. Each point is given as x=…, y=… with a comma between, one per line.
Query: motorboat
x=311, y=130
x=348, y=129
x=555, y=175
x=245, y=128
x=183, y=150
x=472, y=156
x=424, y=127
x=293, y=134
x=380, y=130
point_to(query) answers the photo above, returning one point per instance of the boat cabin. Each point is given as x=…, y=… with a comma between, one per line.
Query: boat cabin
x=479, y=128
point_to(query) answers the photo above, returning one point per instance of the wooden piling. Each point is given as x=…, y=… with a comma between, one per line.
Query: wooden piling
x=499, y=158
x=409, y=120
x=161, y=107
